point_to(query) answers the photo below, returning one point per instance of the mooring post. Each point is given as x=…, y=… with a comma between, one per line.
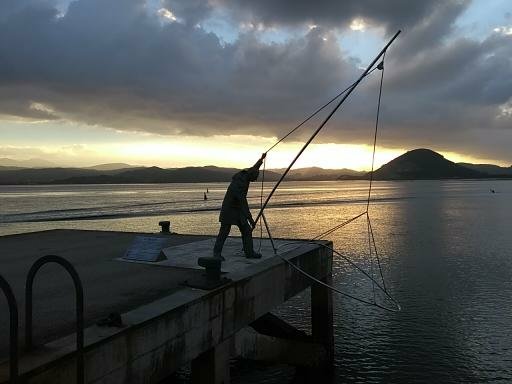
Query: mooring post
x=212, y=366
x=322, y=317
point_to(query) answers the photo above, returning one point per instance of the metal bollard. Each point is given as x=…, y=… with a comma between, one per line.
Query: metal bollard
x=212, y=268
x=212, y=276
x=165, y=226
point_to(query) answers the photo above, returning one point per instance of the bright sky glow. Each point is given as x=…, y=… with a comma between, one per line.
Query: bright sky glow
x=78, y=145
x=506, y=109
x=358, y=25
x=167, y=14
x=361, y=44
x=41, y=107
x=504, y=30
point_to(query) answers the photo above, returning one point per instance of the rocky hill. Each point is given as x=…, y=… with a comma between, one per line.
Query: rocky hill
x=424, y=164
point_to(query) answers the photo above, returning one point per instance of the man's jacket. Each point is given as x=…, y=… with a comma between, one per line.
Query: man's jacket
x=235, y=208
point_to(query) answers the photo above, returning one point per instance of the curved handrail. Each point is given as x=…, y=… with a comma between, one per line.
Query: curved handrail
x=79, y=307
x=13, y=333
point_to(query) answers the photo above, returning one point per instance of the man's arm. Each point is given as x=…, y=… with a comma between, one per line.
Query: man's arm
x=257, y=165
x=247, y=212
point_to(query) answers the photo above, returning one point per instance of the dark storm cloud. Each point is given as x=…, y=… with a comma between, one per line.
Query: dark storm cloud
x=119, y=64
x=392, y=14
x=449, y=96
x=430, y=30
x=121, y=67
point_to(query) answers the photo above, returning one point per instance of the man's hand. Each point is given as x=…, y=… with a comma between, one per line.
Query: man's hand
x=263, y=156
x=252, y=222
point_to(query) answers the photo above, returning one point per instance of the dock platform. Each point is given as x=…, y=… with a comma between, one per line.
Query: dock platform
x=165, y=322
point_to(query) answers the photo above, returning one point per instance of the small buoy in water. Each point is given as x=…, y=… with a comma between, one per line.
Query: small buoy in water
x=205, y=197
x=493, y=191
x=207, y=191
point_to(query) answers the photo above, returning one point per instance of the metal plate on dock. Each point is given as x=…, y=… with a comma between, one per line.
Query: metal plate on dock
x=147, y=249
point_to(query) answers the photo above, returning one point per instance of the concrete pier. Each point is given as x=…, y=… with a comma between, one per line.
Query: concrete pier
x=166, y=324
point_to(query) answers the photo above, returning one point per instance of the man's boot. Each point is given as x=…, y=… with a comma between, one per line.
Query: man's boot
x=248, y=246
x=254, y=255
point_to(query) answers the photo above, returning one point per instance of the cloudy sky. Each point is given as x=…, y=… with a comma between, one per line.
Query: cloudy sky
x=197, y=82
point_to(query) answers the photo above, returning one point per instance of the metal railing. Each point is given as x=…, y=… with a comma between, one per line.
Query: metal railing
x=79, y=308
x=13, y=332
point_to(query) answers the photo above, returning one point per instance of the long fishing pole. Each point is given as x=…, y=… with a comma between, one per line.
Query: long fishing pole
x=322, y=125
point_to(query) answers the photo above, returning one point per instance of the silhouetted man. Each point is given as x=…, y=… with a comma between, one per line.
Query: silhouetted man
x=235, y=211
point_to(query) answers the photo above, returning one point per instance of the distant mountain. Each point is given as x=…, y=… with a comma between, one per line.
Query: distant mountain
x=160, y=175
x=490, y=169
x=424, y=164
x=319, y=174
x=41, y=163
x=31, y=163
x=119, y=176
x=121, y=173
x=112, y=166
x=41, y=175
x=8, y=168
x=11, y=175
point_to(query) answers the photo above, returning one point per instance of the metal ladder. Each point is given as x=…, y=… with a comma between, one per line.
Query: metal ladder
x=13, y=330
x=13, y=310
x=79, y=291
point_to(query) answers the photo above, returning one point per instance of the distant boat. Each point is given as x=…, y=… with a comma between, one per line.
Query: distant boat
x=493, y=191
x=205, y=197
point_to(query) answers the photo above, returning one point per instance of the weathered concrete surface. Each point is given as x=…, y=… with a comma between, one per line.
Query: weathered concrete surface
x=186, y=255
x=109, y=286
x=176, y=328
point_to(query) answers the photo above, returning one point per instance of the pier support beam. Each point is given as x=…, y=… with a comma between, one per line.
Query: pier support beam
x=252, y=345
x=212, y=366
x=322, y=318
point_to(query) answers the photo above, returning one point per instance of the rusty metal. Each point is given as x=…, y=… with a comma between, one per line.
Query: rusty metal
x=13, y=331
x=79, y=308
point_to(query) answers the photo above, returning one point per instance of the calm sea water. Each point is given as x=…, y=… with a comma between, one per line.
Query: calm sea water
x=445, y=247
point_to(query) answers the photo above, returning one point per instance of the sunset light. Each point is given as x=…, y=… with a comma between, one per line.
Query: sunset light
x=272, y=191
